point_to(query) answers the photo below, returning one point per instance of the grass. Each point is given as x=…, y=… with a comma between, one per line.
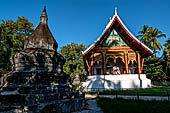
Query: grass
x=133, y=106
x=91, y=93
x=154, y=91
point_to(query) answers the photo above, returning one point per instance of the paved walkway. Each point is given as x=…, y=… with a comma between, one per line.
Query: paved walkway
x=91, y=105
x=158, y=98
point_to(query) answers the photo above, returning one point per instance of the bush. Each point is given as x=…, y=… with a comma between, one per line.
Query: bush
x=153, y=68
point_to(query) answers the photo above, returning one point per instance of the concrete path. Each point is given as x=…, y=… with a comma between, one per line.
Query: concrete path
x=91, y=105
x=158, y=98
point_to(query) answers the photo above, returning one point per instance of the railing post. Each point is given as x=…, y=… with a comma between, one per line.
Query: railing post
x=97, y=92
x=127, y=92
x=137, y=95
x=116, y=94
x=168, y=93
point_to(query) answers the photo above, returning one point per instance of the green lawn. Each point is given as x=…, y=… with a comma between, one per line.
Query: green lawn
x=154, y=91
x=133, y=106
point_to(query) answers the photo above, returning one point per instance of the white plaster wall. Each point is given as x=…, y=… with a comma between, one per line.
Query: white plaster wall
x=125, y=81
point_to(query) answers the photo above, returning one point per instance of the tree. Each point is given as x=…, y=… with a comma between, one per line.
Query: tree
x=153, y=68
x=143, y=35
x=154, y=33
x=74, y=60
x=167, y=56
x=149, y=37
x=12, y=36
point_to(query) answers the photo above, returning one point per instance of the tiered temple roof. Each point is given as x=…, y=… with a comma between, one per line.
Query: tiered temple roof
x=127, y=36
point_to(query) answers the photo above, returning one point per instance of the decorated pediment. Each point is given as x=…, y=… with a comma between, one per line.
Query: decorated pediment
x=113, y=39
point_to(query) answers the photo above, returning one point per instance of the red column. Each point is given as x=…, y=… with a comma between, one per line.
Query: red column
x=142, y=59
x=138, y=62
x=126, y=62
x=104, y=62
x=92, y=64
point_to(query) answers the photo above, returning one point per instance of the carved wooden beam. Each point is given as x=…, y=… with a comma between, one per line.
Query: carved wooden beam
x=132, y=42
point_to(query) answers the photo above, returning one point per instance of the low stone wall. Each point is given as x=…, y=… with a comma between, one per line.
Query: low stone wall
x=124, y=81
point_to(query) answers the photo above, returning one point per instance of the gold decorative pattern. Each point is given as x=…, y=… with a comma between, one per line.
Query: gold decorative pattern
x=98, y=58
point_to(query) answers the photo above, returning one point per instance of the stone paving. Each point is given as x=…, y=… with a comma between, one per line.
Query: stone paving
x=158, y=98
x=91, y=105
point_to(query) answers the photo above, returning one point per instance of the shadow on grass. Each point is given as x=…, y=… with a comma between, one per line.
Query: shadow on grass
x=133, y=106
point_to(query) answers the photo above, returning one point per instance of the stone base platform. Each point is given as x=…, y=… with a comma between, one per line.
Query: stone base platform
x=123, y=81
x=45, y=92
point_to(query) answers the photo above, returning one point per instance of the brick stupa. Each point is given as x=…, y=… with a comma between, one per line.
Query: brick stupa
x=37, y=83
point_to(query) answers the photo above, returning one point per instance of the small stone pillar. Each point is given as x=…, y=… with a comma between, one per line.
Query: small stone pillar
x=76, y=79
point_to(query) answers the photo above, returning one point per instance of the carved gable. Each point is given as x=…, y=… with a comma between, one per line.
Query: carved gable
x=113, y=39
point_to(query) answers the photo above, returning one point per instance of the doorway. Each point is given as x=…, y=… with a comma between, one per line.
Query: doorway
x=98, y=71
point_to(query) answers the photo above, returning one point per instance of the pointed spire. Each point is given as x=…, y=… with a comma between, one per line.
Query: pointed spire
x=41, y=37
x=43, y=17
x=115, y=10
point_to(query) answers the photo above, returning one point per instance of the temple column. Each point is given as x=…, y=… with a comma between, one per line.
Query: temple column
x=138, y=58
x=142, y=59
x=92, y=64
x=126, y=62
x=104, y=62
x=88, y=66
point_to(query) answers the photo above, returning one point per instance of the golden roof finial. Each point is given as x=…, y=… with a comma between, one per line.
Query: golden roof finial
x=115, y=10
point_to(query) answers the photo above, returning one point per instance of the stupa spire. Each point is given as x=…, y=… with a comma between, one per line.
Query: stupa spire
x=41, y=37
x=43, y=17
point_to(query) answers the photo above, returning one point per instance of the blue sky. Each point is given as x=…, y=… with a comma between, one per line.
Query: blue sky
x=83, y=21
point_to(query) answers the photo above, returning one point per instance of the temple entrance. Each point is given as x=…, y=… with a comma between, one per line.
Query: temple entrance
x=120, y=64
x=132, y=67
x=109, y=66
x=98, y=71
x=115, y=66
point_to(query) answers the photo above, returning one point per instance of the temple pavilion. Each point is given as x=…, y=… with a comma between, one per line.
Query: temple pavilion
x=116, y=52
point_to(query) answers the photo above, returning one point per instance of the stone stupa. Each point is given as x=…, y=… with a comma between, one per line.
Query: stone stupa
x=37, y=83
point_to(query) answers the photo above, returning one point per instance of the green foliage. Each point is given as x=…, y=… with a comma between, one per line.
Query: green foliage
x=153, y=68
x=142, y=35
x=149, y=35
x=74, y=60
x=167, y=56
x=12, y=36
x=132, y=106
x=79, y=87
